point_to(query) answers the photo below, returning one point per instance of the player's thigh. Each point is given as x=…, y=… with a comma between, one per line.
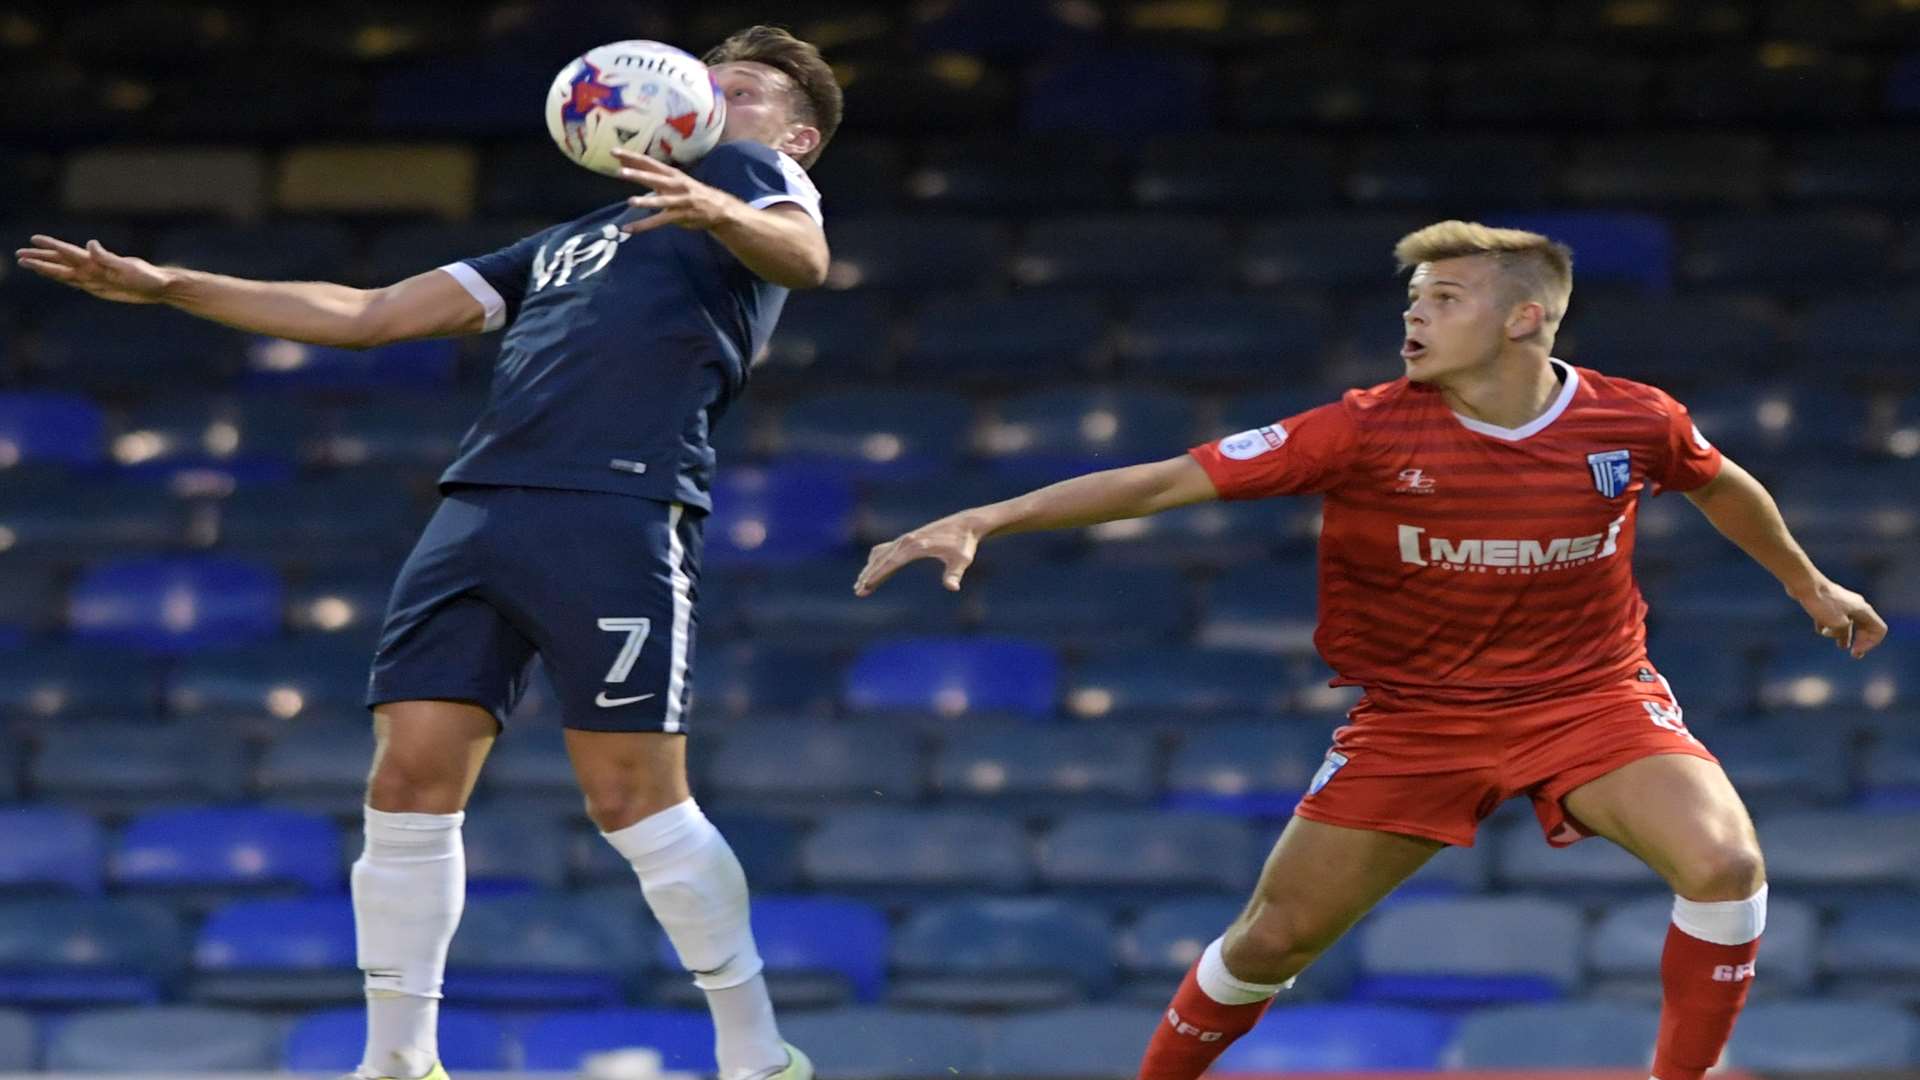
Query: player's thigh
x=1318, y=881
x=1681, y=816
x=627, y=776
x=427, y=755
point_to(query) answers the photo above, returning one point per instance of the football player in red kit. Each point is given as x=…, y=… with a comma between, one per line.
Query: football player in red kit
x=1476, y=582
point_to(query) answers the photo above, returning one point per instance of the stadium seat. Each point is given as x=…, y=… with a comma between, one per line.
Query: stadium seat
x=1781, y=422
x=1483, y=950
x=320, y=764
x=1314, y=1038
x=868, y=1043
x=1148, y=852
x=1674, y=171
x=1000, y=953
x=1890, y=772
x=1870, y=950
x=1325, y=252
x=175, y=605
x=828, y=950
x=274, y=364
x=1014, y=767
x=1613, y=248
x=761, y=680
x=1836, y=851
x=1795, y=255
x=892, y=508
x=1825, y=1036
x=1079, y=604
x=544, y=951
x=512, y=849
x=332, y=1041
x=1003, y=175
x=1117, y=91
x=1707, y=666
x=284, y=251
x=1254, y=770
x=1217, y=338
x=858, y=851
x=58, y=685
x=1103, y=252
x=19, y=1041
x=1212, y=534
x=1227, y=172
x=866, y=176
x=127, y=349
x=51, y=427
x=1067, y=432
x=829, y=336
x=1817, y=675
x=913, y=254
x=563, y=1041
x=1560, y=1035
x=812, y=762
x=1734, y=603
x=1802, y=85
x=1459, y=173
x=878, y=432
x=1169, y=936
x=1862, y=338
x=229, y=848
x=1105, y=1040
x=44, y=847
x=182, y=761
x=92, y=521
x=360, y=514
x=399, y=252
x=1852, y=511
x=953, y=676
x=1785, y=764
x=1646, y=337
x=279, y=680
x=814, y=602
x=1161, y=684
x=1024, y=337
x=1851, y=167
x=168, y=1038
x=1330, y=92
x=66, y=951
x=1548, y=84
x=1624, y=947
x=277, y=953
x=777, y=516
x=1596, y=868
x=1272, y=607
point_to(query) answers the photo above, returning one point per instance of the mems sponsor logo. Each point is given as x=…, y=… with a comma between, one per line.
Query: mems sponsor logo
x=1499, y=556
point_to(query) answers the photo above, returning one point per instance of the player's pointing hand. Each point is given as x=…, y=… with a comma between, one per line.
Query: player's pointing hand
x=952, y=540
x=1845, y=616
x=677, y=199
x=94, y=269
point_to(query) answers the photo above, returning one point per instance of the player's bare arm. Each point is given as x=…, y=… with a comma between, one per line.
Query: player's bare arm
x=1135, y=491
x=1739, y=506
x=780, y=243
x=426, y=305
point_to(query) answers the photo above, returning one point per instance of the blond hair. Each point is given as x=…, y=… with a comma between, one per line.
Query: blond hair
x=1533, y=267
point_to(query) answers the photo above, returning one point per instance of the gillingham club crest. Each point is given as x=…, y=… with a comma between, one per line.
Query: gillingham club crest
x=1612, y=471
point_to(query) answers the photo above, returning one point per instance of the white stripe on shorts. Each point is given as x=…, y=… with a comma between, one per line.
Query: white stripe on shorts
x=682, y=617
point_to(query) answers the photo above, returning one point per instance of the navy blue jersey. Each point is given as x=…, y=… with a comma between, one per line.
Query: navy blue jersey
x=622, y=352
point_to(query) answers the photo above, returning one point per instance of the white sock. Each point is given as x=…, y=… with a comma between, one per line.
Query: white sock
x=1220, y=984
x=409, y=886
x=697, y=891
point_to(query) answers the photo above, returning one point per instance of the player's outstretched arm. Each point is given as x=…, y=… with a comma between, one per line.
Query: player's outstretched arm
x=781, y=244
x=432, y=304
x=1739, y=506
x=1132, y=492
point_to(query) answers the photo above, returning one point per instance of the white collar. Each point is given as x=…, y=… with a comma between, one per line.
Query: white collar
x=1569, y=383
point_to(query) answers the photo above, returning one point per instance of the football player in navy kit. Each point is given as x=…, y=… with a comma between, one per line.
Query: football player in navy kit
x=570, y=528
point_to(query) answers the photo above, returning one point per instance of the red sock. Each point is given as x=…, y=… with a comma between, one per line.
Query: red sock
x=1194, y=1030
x=1703, y=987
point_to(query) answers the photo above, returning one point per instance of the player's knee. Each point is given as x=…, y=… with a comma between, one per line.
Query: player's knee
x=1731, y=871
x=1271, y=944
x=405, y=781
x=614, y=807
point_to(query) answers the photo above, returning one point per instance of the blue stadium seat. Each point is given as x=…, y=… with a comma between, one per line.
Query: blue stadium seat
x=1850, y=510
x=281, y=680
x=1816, y=675
x=127, y=349
x=1646, y=337
x=1255, y=770
x=399, y=252
x=866, y=176
x=1148, y=852
x=1890, y=773
x=867, y=1043
x=1272, y=607
x=1841, y=851
x=320, y=764
x=914, y=253
x=1012, y=767
x=215, y=444
x=1313, y=1038
x=860, y=851
x=814, y=602
x=1219, y=337
x=777, y=516
x=1001, y=175
x=66, y=951
x=564, y=1040
x=1453, y=871
x=50, y=847
x=1326, y=252
x=814, y=761
x=1624, y=947
x=1707, y=666
x=1103, y=252
x=277, y=953
x=145, y=764
x=1796, y=254
x=168, y=1038
x=1444, y=951
x=92, y=520
x=529, y=765
x=1560, y=1035
x=57, y=685
x=1330, y=92
x=1227, y=172
x=878, y=432
x=756, y=678
x=822, y=939
x=1067, y=432
x=1118, y=90
x=1785, y=763
x=1078, y=603
x=32, y=603
x=953, y=676
x=1735, y=603
x=230, y=848
x=1105, y=1040
x=421, y=431
x=1612, y=248
x=1785, y=423
x=1852, y=167
x=1024, y=337
x=1807, y=86
x=19, y=1041
x=1596, y=868
x=332, y=1041
x=59, y=428
x=1158, y=948
x=1870, y=951
x=1465, y=172
x=831, y=335
x=1006, y=953
x=1678, y=171
x=508, y=851
x=358, y=513
x=175, y=604
x=289, y=250
x=542, y=950
x=1162, y=684
x=1544, y=85
x=1838, y=1036
x=274, y=364
x=893, y=508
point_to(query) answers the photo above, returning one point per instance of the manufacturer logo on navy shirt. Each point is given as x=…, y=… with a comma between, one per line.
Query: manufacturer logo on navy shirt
x=576, y=257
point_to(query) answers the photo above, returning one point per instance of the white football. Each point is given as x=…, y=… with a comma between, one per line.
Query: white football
x=635, y=95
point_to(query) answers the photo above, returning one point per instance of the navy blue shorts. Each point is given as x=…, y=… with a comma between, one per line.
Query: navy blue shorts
x=600, y=587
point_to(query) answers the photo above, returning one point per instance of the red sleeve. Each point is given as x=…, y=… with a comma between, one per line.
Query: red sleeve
x=1690, y=460
x=1301, y=455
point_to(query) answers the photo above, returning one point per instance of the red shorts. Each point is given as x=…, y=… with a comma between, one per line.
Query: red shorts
x=1439, y=773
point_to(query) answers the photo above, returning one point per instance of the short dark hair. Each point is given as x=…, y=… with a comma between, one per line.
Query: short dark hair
x=818, y=101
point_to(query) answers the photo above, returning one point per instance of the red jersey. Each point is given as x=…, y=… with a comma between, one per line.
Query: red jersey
x=1460, y=562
